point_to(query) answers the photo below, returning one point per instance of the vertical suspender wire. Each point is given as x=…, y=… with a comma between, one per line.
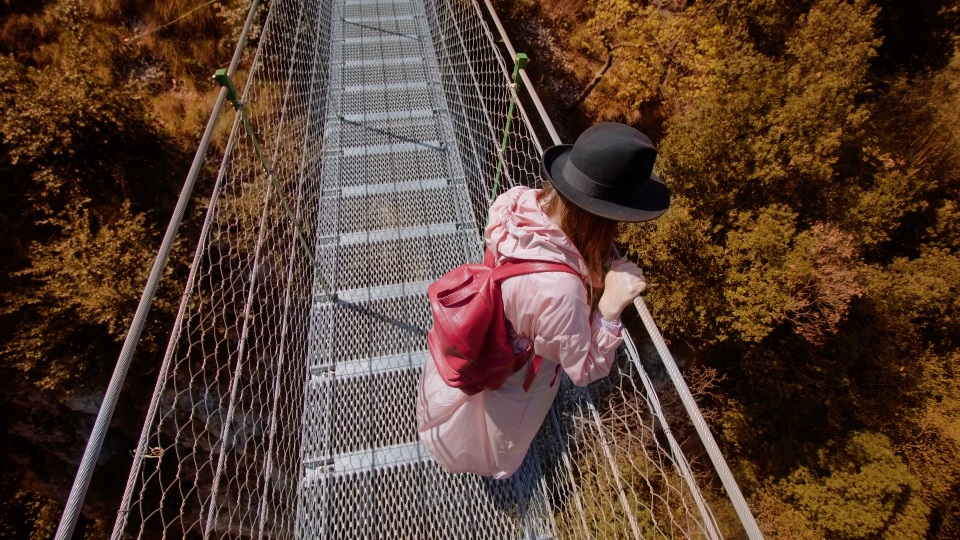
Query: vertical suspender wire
x=709, y=521
x=272, y=430
x=224, y=80
x=242, y=350
x=716, y=457
x=605, y=444
x=71, y=511
x=518, y=63
x=726, y=477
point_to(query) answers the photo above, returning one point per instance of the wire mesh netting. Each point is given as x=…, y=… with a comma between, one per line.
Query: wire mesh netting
x=285, y=406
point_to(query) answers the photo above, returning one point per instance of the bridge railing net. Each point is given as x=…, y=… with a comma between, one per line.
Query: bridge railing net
x=221, y=452
x=219, y=455
x=475, y=80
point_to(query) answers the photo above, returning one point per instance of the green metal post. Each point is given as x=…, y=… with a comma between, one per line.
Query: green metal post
x=520, y=63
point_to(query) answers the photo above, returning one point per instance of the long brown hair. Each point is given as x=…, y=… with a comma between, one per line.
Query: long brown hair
x=592, y=235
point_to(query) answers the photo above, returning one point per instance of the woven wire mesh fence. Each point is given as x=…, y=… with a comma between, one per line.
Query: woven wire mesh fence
x=613, y=470
x=221, y=447
x=285, y=404
x=476, y=80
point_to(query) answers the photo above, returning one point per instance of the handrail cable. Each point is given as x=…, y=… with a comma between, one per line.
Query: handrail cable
x=719, y=463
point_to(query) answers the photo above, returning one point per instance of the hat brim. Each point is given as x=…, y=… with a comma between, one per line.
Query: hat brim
x=651, y=204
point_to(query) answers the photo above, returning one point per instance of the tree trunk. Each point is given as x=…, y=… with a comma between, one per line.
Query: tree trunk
x=593, y=84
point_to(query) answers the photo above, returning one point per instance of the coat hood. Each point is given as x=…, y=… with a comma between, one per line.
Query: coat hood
x=519, y=230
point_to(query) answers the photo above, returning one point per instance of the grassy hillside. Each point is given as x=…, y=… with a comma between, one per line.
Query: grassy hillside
x=101, y=107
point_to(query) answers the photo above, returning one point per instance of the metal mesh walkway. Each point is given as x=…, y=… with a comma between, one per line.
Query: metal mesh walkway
x=285, y=404
x=396, y=215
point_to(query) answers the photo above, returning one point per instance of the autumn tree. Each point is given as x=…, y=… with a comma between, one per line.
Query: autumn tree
x=857, y=489
x=650, y=55
x=808, y=259
x=79, y=194
x=90, y=178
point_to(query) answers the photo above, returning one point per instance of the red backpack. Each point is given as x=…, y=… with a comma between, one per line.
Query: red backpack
x=468, y=339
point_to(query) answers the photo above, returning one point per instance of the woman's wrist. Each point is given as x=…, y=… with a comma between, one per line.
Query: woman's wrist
x=607, y=313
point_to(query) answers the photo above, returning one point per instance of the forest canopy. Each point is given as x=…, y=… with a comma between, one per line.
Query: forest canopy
x=101, y=106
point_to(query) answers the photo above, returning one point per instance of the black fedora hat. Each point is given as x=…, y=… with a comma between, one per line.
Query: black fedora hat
x=609, y=173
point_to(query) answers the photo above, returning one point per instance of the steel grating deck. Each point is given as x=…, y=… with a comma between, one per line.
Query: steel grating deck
x=395, y=215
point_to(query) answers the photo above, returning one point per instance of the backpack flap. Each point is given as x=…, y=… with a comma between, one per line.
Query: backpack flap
x=464, y=303
x=468, y=340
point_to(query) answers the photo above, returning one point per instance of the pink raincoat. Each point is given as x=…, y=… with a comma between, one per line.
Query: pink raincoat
x=489, y=433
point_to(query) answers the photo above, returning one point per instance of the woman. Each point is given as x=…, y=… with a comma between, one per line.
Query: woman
x=605, y=178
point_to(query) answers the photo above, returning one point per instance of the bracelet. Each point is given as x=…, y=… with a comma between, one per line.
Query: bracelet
x=615, y=323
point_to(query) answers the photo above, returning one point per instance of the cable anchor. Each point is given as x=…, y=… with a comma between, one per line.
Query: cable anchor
x=223, y=79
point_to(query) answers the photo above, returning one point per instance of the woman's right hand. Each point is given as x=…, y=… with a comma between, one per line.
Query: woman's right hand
x=624, y=282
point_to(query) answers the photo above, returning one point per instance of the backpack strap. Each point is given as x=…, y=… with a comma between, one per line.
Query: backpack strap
x=532, y=372
x=513, y=269
x=518, y=268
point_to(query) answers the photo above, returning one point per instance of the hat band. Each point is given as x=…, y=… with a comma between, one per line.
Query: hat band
x=591, y=188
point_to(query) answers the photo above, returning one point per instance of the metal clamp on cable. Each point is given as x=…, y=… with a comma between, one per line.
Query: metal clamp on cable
x=232, y=95
x=520, y=62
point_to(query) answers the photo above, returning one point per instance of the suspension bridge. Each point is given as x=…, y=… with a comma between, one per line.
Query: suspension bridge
x=366, y=144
